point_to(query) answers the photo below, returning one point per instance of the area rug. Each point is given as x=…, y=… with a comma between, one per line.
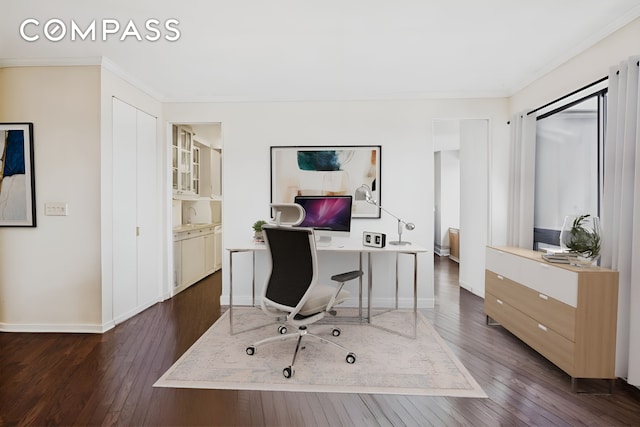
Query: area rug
x=387, y=363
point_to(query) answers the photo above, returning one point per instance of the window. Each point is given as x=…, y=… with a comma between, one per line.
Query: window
x=569, y=147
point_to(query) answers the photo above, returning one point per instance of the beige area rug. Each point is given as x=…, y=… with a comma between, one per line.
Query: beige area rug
x=386, y=363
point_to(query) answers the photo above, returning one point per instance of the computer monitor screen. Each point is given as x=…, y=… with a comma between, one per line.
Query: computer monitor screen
x=327, y=214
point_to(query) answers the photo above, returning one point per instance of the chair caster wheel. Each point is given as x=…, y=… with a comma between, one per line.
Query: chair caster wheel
x=251, y=350
x=335, y=332
x=287, y=372
x=282, y=330
x=351, y=358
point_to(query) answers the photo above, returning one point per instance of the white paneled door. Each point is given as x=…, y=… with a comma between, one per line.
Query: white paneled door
x=136, y=254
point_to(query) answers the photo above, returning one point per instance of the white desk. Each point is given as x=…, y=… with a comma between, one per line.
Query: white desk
x=348, y=246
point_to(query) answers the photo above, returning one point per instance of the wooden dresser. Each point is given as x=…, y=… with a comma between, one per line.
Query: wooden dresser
x=568, y=314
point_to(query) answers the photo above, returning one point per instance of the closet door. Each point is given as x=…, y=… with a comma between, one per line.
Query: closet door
x=135, y=221
x=125, y=269
x=148, y=249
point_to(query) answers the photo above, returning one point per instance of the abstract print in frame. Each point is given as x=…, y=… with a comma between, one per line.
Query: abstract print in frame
x=17, y=182
x=326, y=171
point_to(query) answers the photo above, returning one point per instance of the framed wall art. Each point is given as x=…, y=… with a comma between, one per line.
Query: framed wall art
x=326, y=171
x=17, y=182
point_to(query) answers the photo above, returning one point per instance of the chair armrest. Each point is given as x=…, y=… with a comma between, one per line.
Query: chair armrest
x=342, y=278
x=345, y=277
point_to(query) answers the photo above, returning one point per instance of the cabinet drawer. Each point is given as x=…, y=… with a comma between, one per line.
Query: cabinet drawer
x=537, y=335
x=538, y=275
x=191, y=234
x=556, y=315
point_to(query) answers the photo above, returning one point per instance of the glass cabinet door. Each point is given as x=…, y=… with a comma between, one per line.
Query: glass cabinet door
x=174, y=157
x=196, y=170
x=185, y=165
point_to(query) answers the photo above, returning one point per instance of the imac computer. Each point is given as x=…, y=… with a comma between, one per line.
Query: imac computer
x=327, y=215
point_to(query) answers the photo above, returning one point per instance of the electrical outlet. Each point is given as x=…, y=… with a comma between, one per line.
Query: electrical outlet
x=56, y=209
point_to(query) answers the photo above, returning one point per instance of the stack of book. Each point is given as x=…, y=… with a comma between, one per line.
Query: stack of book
x=560, y=257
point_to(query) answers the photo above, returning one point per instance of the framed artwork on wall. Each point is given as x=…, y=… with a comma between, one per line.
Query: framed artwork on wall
x=326, y=171
x=17, y=182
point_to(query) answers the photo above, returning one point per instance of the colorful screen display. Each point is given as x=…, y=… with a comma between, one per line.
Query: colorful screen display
x=329, y=213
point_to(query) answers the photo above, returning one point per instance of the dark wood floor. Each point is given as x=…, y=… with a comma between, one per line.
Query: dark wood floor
x=76, y=379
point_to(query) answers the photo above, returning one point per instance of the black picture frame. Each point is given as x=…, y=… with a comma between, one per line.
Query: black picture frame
x=327, y=170
x=17, y=177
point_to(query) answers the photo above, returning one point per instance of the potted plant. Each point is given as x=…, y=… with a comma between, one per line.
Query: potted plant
x=257, y=230
x=581, y=235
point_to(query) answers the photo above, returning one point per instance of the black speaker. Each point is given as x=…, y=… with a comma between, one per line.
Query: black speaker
x=377, y=240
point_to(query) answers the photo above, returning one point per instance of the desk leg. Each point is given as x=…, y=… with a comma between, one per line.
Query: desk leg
x=415, y=292
x=253, y=280
x=360, y=290
x=397, y=280
x=370, y=286
x=415, y=295
x=231, y=292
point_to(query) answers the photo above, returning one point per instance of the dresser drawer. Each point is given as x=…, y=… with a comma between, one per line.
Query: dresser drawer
x=537, y=274
x=537, y=335
x=555, y=315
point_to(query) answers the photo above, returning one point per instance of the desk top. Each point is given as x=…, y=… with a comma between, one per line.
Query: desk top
x=347, y=245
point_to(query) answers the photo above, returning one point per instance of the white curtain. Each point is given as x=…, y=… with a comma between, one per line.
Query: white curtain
x=621, y=211
x=522, y=161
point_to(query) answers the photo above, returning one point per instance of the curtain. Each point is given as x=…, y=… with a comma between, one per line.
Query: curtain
x=521, y=180
x=621, y=211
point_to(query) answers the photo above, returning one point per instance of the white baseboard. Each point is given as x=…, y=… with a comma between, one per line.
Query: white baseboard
x=56, y=328
x=74, y=328
x=470, y=288
x=441, y=250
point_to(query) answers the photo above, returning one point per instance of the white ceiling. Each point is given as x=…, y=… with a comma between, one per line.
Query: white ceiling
x=321, y=50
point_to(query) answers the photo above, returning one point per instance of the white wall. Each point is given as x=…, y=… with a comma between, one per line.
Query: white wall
x=57, y=276
x=402, y=128
x=450, y=174
x=50, y=275
x=447, y=198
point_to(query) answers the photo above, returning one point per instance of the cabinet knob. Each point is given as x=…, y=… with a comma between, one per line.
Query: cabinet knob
x=542, y=327
x=500, y=277
x=499, y=301
x=543, y=296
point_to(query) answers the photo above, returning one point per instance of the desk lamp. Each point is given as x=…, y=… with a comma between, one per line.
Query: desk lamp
x=364, y=193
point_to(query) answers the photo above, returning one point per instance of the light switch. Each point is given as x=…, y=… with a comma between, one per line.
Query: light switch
x=56, y=209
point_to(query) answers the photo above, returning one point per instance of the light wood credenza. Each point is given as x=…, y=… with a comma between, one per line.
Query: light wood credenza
x=568, y=314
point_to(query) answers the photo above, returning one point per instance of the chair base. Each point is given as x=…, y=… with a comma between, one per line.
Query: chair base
x=302, y=332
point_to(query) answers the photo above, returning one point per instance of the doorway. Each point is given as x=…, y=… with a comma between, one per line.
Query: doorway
x=195, y=216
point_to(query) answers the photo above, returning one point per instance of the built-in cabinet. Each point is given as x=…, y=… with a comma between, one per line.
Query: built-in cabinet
x=196, y=165
x=182, y=149
x=568, y=314
x=196, y=254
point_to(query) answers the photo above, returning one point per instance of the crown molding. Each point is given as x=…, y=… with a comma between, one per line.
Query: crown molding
x=49, y=62
x=111, y=66
x=101, y=61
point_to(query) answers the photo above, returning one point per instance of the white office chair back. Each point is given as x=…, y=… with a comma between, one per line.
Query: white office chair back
x=287, y=214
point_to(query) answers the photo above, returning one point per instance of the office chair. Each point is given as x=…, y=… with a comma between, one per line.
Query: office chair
x=292, y=290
